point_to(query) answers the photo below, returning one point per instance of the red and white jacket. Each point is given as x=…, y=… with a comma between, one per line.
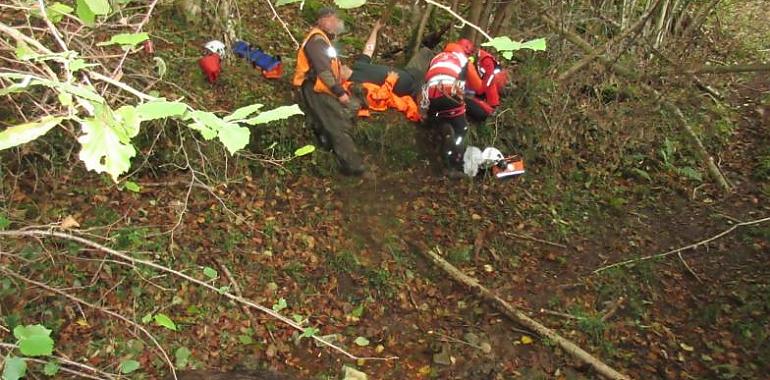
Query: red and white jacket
x=450, y=68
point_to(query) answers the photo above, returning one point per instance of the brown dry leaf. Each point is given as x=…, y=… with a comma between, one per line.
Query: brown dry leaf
x=69, y=223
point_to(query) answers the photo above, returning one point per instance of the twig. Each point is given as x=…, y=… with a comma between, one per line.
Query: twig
x=83, y=302
x=67, y=362
x=457, y=16
x=692, y=272
x=528, y=237
x=560, y=314
x=679, y=250
x=241, y=300
x=283, y=23
x=520, y=317
x=613, y=309
x=138, y=29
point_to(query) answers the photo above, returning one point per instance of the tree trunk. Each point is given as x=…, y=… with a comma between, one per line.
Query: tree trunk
x=504, y=11
x=421, y=29
x=476, y=8
x=484, y=21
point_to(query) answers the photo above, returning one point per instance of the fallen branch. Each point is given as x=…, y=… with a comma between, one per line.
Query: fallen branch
x=101, y=309
x=679, y=250
x=241, y=300
x=521, y=318
x=528, y=237
x=68, y=362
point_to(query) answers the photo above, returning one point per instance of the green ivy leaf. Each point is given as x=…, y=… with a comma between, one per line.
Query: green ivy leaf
x=243, y=112
x=223, y=289
x=85, y=14
x=99, y=7
x=132, y=186
x=34, y=340
x=280, y=113
x=147, y=318
x=65, y=98
x=309, y=332
x=297, y=318
x=506, y=46
x=361, y=341
x=128, y=366
x=245, y=339
x=15, y=368
x=305, y=150
x=126, y=39
x=51, y=368
x=160, y=109
x=24, y=133
x=234, y=137
x=280, y=305
x=348, y=4
x=182, y=355
x=164, y=321
x=210, y=272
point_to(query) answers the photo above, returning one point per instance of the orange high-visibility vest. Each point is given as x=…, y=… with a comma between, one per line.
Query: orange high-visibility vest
x=303, y=64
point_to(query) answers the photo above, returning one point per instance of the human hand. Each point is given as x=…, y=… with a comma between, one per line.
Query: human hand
x=394, y=74
x=378, y=25
x=344, y=99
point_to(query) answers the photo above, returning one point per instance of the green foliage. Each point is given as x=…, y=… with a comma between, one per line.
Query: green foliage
x=285, y=2
x=126, y=40
x=348, y=4
x=84, y=12
x=361, y=341
x=106, y=134
x=23, y=133
x=506, y=46
x=210, y=272
x=98, y=7
x=305, y=150
x=34, y=340
x=280, y=305
x=55, y=12
x=132, y=187
x=309, y=332
x=164, y=321
x=14, y=368
x=128, y=366
x=182, y=357
x=4, y=222
x=51, y=368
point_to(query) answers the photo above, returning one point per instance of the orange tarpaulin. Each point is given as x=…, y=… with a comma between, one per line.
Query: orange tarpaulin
x=381, y=97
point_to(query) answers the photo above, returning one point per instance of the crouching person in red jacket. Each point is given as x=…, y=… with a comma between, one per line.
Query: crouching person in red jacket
x=211, y=63
x=481, y=104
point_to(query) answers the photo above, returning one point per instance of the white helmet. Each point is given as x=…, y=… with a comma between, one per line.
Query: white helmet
x=492, y=154
x=216, y=47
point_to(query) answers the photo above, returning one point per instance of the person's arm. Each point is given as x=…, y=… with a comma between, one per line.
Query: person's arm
x=472, y=79
x=371, y=42
x=321, y=62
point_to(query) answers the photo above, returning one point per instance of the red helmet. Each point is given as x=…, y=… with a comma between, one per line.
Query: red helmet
x=467, y=45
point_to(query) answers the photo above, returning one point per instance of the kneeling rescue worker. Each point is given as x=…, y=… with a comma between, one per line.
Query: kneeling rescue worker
x=322, y=97
x=445, y=84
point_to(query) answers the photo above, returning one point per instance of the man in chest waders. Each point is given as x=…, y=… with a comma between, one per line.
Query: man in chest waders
x=318, y=76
